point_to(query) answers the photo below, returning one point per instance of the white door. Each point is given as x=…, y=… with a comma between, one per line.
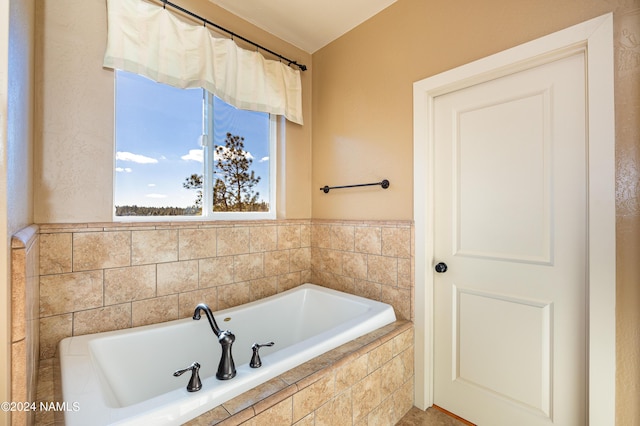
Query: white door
x=510, y=224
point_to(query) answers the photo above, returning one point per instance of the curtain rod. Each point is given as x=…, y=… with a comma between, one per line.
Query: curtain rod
x=232, y=34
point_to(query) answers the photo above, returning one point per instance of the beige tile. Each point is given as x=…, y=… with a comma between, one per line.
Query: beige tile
x=342, y=238
x=116, y=317
x=279, y=414
x=393, y=376
x=380, y=355
x=177, y=277
x=19, y=368
x=99, y=250
x=275, y=398
x=211, y=417
x=321, y=236
x=155, y=246
x=400, y=299
x=382, y=269
x=403, y=403
x=313, y=396
x=56, y=253
x=216, y=271
x=254, y=395
x=188, y=301
x=263, y=287
x=368, y=239
x=70, y=292
x=354, y=265
x=351, y=373
x=276, y=262
x=300, y=259
x=366, y=395
x=130, y=283
x=404, y=273
x=306, y=421
x=382, y=415
x=248, y=266
x=305, y=235
x=263, y=238
x=406, y=357
x=196, y=243
x=52, y=330
x=153, y=311
x=342, y=283
x=307, y=373
x=18, y=287
x=239, y=418
x=289, y=281
x=233, y=295
x=402, y=341
x=337, y=412
x=368, y=289
x=233, y=241
x=396, y=242
x=331, y=261
x=288, y=237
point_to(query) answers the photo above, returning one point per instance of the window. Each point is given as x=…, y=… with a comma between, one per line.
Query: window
x=186, y=153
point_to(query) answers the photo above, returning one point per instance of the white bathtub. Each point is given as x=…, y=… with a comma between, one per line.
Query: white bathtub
x=126, y=376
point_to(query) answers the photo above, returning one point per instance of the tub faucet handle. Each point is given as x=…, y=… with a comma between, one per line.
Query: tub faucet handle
x=255, y=358
x=194, y=384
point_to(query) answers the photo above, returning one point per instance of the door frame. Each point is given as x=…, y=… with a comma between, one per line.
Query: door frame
x=595, y=38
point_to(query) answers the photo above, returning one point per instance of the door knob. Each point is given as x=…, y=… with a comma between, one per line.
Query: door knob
x=441, y=268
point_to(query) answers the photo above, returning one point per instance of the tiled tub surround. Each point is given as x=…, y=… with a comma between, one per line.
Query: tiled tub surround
x=108, y=276
x=368, y=381
x=24, y=320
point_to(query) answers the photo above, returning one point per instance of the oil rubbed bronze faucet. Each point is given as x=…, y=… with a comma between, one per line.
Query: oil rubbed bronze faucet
x=194, y=384
x=226, y=367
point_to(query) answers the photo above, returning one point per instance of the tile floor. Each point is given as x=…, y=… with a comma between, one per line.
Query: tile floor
x=431, y=417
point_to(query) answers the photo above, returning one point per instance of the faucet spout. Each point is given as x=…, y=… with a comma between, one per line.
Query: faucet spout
x=212, y=321
x=226, y=367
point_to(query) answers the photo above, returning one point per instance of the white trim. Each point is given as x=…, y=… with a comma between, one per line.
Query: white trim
x=595, y=37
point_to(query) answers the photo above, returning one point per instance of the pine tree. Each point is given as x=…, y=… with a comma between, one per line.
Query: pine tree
x=234, y=185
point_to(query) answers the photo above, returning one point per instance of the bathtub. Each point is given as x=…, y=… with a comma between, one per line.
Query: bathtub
x=126, y=377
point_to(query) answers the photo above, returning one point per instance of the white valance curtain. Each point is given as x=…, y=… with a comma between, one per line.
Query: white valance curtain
x=149, y=40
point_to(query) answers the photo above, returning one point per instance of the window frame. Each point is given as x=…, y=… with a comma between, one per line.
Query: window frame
x=208, y=214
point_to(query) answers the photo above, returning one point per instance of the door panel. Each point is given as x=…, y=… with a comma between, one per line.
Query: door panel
x=510, y=223
x=513, y=159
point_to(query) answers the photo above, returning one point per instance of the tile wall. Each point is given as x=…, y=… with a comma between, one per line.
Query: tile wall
x=24, y=320
x=106, y=276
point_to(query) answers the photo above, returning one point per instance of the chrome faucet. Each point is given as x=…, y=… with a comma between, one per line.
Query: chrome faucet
x=226, y=367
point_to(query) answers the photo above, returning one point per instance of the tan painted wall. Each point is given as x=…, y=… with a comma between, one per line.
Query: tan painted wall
x=75, y=102
x=362, y=116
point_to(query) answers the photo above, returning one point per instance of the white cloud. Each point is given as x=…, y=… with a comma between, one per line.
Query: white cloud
x=156, y=195
x=136, y=158
x=194, y=155
x=263, y=159
x=124, y=169
x=151, y=184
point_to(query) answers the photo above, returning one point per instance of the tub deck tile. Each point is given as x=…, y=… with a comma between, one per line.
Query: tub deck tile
x=274, y=399
x=211, y=417
x=254, y=395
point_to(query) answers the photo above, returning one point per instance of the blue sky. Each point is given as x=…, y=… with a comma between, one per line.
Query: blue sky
x=158, y=130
